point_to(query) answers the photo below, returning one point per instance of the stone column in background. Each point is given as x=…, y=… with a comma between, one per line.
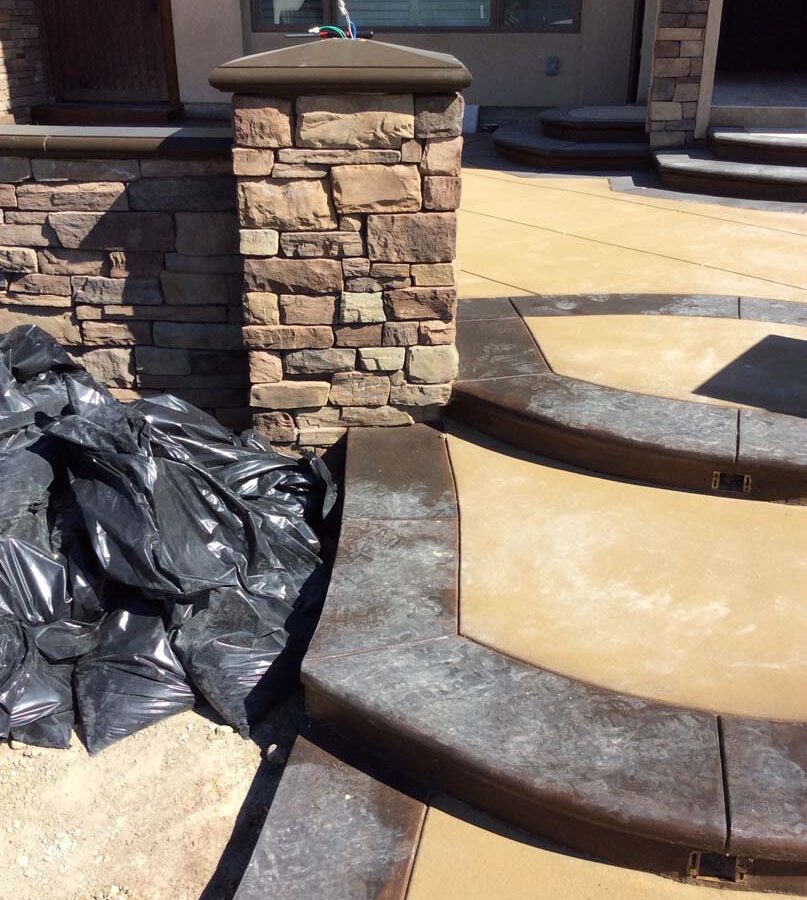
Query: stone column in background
x=347, y=196
x=677, y=72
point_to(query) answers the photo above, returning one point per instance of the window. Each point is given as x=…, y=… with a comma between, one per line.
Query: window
x=422, y=15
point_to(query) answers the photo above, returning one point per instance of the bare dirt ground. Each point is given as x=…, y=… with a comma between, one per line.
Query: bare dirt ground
x=171, y=813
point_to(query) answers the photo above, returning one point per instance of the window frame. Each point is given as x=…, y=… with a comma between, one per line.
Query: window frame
x=496, y=25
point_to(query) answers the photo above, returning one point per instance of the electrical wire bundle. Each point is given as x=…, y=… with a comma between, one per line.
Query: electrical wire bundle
x=349, y=33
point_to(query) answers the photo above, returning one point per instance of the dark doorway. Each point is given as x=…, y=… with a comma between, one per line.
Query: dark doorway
x=110, y=61
x=758, y=36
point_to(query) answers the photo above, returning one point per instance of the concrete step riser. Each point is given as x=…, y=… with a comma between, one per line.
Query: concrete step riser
x=759, y=154
x=758, y=117
x=595, y=135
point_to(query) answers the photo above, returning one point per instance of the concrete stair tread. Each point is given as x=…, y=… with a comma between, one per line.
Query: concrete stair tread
x=707, y=164
x=531, y=146
x=597, y=116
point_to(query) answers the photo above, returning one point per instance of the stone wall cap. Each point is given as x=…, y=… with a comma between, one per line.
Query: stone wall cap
x=338, y=66
x=81, y=140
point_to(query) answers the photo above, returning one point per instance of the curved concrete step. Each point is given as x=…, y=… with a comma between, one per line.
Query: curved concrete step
x=507, y=390
x=629, y=780
x=780, y=148
x=703, y=173
x=596, y=124
x=531, y=147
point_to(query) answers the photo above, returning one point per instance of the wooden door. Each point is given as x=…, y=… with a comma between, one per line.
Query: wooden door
x=111, y=51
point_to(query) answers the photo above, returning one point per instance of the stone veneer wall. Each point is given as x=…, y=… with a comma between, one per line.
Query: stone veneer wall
x=677, y=72
x=22, y=71
x=134, y=265
x=348, y=227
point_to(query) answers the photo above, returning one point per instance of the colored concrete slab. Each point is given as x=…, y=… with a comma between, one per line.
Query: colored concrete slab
x=684, y=598
x=705, y=359
x=631, y=304
x=333, y=831
x=464, y=855
x=492, y=351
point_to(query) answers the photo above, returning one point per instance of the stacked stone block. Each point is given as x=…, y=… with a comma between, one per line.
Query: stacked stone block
x=677, y=72
x=347, y=207
x=134, y=265
x=22, y=71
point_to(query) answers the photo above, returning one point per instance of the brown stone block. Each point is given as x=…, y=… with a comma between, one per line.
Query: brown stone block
x=101, y=291
x=127, y=264
x=300, y=157
x=672, y=20
x=229, y=265
x=55, y=285
x=374, y=417
x=288, y=170
x=207, y=233
x=400, y=334
x=365, y=189
x=355, y=121
x=253, y=163
x=435, y=333
x=116, y=335
x=357, y=335
x=442, y=156
x=420, y=394
x=692, y=48
x=685, y=6
x=299, y=205
x=432, y=365
x=14, y=169
x=328, y=244
x=89, y=197
x=276, y=426
x=663, y=89
x=71, y=262
x=26, y=236
x=671, y=67
x=200, y=289
x=162, y=361
x=215, y=194
x=62, y=326
x=24, y=217
x=439, y=116
x=422, y=303
x=111, y=231
x=84, y=313
x=679, y=34
x=411, y=152
x=687, y=91
x=319, y=362
x=18, y=259
x=180, y=168
x=356, y=268
x=265, y=367
x=293, y=276
x=667, y=49
x=441, y=192
x=111, y=367
x=351, y=223
x=669, y=111
x=168, y=313
x=262, y=121
x=288, y=337
x=85, y=169
x=359, y=389
x=696, y=20
x=298, y=309
x=320, y=437
x=196, y=336
x=8, y=196
x=412, y=237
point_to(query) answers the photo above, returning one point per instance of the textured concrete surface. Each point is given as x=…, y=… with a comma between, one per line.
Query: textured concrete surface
x=464, y=855
x=526, y=233
x=685, y=598
x=707, y=359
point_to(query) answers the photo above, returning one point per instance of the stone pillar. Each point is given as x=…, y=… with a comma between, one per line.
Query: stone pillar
x=347, y=155
x=677, y=72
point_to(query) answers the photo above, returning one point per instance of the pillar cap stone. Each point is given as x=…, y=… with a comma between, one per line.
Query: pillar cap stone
x=335, y=66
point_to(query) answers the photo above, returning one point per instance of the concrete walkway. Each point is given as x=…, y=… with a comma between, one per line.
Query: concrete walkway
x=527, y=233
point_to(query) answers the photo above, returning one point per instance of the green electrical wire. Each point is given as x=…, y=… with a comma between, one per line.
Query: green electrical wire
x=335, y=29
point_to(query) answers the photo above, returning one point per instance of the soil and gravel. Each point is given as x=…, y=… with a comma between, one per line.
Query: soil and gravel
x=170, y=813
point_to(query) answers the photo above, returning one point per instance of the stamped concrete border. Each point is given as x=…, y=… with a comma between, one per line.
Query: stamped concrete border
x=625, y=779
x=506, y=389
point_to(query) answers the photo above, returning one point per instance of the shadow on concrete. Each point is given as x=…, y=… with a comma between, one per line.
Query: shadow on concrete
x=772, y=375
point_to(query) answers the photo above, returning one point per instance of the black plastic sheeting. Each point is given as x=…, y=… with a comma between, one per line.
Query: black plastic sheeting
x=147, y=556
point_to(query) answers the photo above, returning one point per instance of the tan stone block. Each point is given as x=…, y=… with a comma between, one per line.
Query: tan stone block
x=441, y=192
x=265, y=367
x=162, y=361
x=276, y=426
x=400, y=334
x=261, y=308
x=71, y=262
x=328, y=415
x=328, y=244
x=317, y=362
x=669, y=111
x=671, y=67
x=686, y=91
x=53, y=169
x=422, y=303
x=251, y=162
x=435, y=275
x=259, y=242
x=25, y=236
x=433, y=333
x=359, y=389
x=420, y=394
x=442, y=156
x=692, y=48
x=289, y=170
x=288, y=337
x=125, y=264
x=390, y=270
x=355, y=121
x=439, y=115
x=299, y=309
x=411, y=152
x=363, y=189
x=374, y=417
x=289, y=394
x=24, y=217
x=320, y=437
x=116, y=335
x=110, y=366
x=357, y=335
x=412, y=237
x=54, y=285
x=351, y=223
x=262, y=121
x=300, y=205
x=381, y=359
x=432, y=365
x=62, y=326
x=680, y=34
x=293, y=276
x=39, y=300
x=14, y=169
x=18, y=259
x=361, y=308
x=83, y=313
x=298, y=157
